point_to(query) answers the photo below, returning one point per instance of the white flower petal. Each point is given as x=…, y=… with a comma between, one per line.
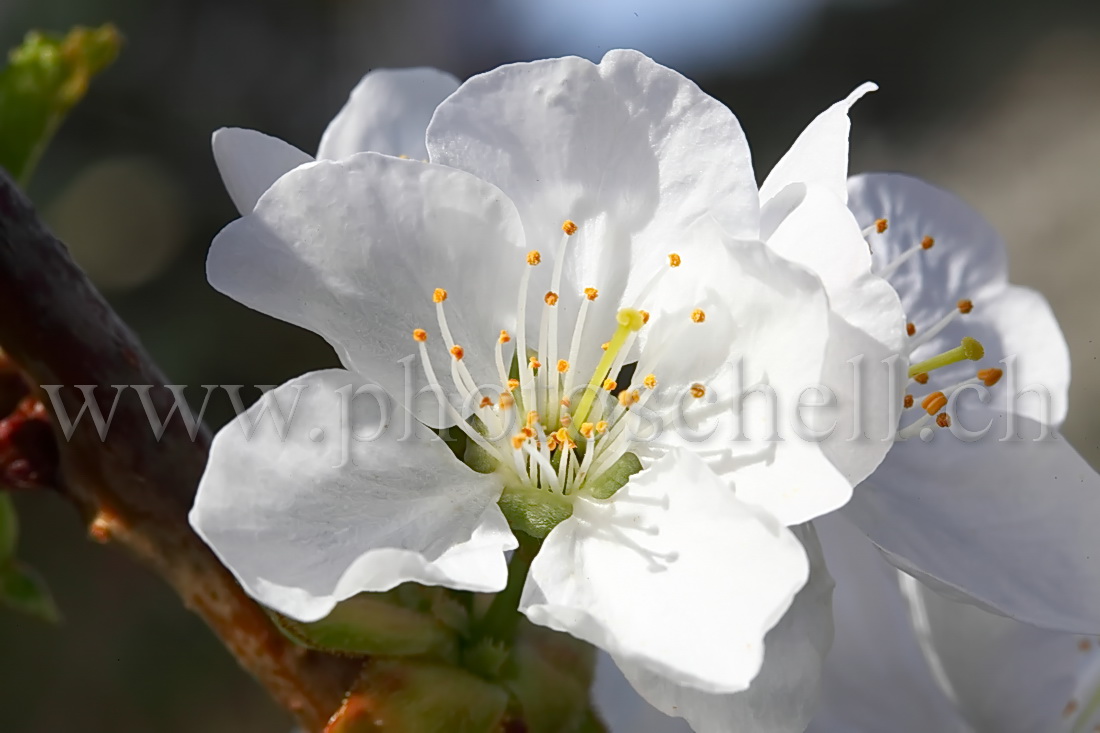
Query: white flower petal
x=868, y=325
x=783, y=696
x=307, y=521
x=1006, y=524
x=249, y=162
x=968, y=259
x=671, y=568
x=1007, y=676
x=630, y=150
x=387, y=112
x=967, y=262
x=1017, y=327
x=766, y=323
x=876, y=676
x=622, y=709
x=820, y=154
x=353, y=250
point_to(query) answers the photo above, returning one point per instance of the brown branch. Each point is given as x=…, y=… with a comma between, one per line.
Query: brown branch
x=132, y=489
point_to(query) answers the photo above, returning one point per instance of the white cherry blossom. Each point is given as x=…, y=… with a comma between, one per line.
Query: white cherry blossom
x=572, y=219
x=998, y=509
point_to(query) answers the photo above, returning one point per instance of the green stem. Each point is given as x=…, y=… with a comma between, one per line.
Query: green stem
x=501, y=620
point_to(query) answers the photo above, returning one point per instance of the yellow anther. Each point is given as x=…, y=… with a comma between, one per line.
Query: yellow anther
x=943, y=420
x=698, y=316
x=674, y=260
x=628, y=397
x=921, y=378
x=563, y=366
x=532, y=418
x=990, y=376
x=552, y=444
x=504, y=337
x=908, y=401
x=534, y=257
x=551, y=297
x=439, y=295
x=591, y=293
x=569, y=227
x=601, y=426
x=910, y=328
x=969, y=348
x=518, y=440
x=419, y=334
x=457, y=352
x=512, y=384
x=934, y=402
x=880, y=225
x=562, y=435
x=697, y=390
x=650, y=381
x=604, y=345
x=610, y=385
x=645, y=316
x=965, y=306
x=486, y=401
x=506, y=401
x=528, y=432
x=586, y=430
x=534, y=362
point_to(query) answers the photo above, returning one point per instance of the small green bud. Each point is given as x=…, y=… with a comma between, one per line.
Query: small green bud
x=372, y=624
x=406, y=696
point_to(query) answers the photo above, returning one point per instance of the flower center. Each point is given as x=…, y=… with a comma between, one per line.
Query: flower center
x=934, y=404
x=550, y=435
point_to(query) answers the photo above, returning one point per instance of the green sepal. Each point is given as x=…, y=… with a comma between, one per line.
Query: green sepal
x=371, y=624
x=534, y=511
x=44, y=78
x=407, y=696
x=9, y=528
x=549, y=697
x=615, y=477
x=23, y=590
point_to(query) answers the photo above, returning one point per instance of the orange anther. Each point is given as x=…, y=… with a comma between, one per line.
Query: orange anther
x=934, y=402
x=990, y=376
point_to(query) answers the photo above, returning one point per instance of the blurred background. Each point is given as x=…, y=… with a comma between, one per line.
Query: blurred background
x=999, y=101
